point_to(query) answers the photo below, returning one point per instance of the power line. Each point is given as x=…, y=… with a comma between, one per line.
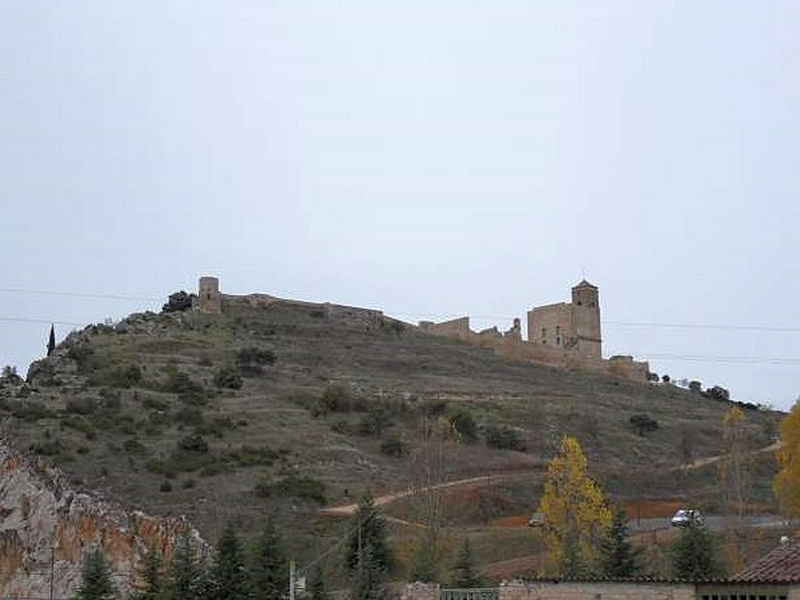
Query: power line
x=78, y=295
x=762, y=328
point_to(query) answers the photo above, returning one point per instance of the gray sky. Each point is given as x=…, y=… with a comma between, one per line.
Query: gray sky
x=430, y=159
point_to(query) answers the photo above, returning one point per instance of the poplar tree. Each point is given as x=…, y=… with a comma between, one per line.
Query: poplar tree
x=787, y=482
x=575, y=510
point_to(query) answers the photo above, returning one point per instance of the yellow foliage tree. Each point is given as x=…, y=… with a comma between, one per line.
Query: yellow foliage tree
x=575, y=510
x=787, y=482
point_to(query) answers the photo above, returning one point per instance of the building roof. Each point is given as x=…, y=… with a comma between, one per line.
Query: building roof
x=782, y=564
x=583, y=283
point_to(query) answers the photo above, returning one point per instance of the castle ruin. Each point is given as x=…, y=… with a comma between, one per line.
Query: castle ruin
x=562, y=335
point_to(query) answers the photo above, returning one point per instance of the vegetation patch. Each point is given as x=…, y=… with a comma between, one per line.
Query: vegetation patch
x=301, y=487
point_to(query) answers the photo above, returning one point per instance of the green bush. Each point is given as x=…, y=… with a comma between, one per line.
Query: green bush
x=300, y=487
x=228, y=377
x=393, y=445
x=503, y=438
x=27, y=410
x=643, y=424
x=252, y=359
x=188, y=390
x=465, y=425
x=47, y=447
x=81, y=406
x=193, y=443
x=337, y=397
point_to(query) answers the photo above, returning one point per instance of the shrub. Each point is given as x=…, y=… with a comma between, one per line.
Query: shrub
x=134, y=446
x=718, y=393
x=643, y=424
x=188, y=415
x=465, y=425
x=47, y=447
x=178, y=382
x=503, y=438
x=301, y=487
x=375, y=421
x=28, y=410
x=193, y=443
x=393, y=445
x=228, y=377
x=165, y=486
x=251, y=360
x=81, y=406
x=337, y=397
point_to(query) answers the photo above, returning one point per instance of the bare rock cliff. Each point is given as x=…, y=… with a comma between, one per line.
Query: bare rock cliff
x=46, y=529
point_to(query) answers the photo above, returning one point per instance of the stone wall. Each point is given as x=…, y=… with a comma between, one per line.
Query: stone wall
x=559, y=590
x=597, y=590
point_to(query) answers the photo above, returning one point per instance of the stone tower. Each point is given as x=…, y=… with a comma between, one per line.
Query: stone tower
x=572, y=328
x=208, y=297
x=586, y=315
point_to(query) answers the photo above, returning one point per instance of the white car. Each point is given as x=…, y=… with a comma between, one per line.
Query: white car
x=687, y=516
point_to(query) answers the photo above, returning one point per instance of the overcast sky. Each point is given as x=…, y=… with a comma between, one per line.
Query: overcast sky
x=427, y=158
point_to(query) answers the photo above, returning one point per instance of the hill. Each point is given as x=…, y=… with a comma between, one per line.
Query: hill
x=282, y=408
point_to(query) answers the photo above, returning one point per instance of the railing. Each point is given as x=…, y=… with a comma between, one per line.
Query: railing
x=470, y=594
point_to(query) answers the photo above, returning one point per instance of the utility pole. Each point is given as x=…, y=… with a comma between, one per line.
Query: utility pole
x=291, y=579
x=52, y=568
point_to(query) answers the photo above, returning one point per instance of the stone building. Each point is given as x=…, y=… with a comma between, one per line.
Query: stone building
x=208, y=297
x=574, y=327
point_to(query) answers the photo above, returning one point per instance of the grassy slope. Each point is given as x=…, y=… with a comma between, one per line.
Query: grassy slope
x=113, y=442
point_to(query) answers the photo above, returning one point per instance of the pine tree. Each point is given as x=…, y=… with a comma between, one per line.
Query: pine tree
x=317, y=589
x=693, y=555
x=369, y=557
x=464, y=573
x=267, y=565
x=96, y=579
x=152, y=575
x=228, y=576
x=618, y=557
x=188, y=579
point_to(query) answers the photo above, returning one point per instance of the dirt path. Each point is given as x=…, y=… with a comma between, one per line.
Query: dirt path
x=349, y=509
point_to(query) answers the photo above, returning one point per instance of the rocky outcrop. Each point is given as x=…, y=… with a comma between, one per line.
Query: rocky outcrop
x=46, y=530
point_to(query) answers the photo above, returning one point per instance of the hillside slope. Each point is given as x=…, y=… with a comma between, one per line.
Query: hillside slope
x=280, y=409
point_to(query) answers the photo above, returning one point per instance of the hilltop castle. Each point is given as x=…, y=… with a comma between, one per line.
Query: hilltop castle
x=561, y=334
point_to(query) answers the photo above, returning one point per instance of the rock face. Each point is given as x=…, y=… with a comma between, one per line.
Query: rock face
x=46, y=529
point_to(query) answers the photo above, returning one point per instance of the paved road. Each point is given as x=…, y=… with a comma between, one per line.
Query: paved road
x=712, y=521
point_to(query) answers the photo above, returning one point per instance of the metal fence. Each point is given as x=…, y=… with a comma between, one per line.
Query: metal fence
x=470, y=594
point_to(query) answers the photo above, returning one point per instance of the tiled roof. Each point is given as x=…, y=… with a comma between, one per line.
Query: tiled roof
x=782, y=565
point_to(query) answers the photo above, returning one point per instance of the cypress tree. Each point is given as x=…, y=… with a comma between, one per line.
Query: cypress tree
x=51, y=342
